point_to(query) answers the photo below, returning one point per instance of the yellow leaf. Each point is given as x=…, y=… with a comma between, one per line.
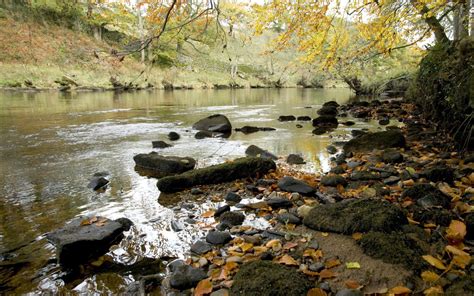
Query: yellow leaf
x=316, y=292
x=434, y=262
x=287, y=260
x=460, y=258
x=400, y=290
x=429, y=276
x=352, y=265
x=208, y=214
x=203, y=287
x=456, y=231
x=246, y=246
x=332, y=263
x=357, y=235
x=434, y=291
x=324, y=234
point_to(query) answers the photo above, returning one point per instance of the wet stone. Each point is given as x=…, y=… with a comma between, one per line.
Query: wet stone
x=331, y=149
x=427, y=196
x=173, y=136
x=303, y=118
x=338, y=170
x=214, y=123
x=221, y=210
x=391, y=156
x=333, y=180
x=278, y=202
x=286, y=118
x=288, y=218
x=196, y=191
x=218, y=237
x=232, y=218
x=232, y=197
x=200, y=247
x=384, y=121
x=290, y=184
x=316, y=267
x=295, y=159
x=186, y=277
x=97, y=183
x=365, y=176
x=439, y=173
x=256, y=151
x=379, y=140
x=349, y=292
x=160, y=144
x=391, y=180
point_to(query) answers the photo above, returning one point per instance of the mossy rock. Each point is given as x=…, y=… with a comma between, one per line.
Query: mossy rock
x=379, y=140
x=264, y=278
x=352, y=216
x=225, y=172
x=395, y=248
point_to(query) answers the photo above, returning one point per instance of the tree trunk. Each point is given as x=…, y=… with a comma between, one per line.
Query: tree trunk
x=456, y=22
x=140, y=28
x=432, y=22
x=471, y=18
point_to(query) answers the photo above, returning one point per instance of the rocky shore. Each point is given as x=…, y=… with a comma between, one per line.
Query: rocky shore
x=394, y=216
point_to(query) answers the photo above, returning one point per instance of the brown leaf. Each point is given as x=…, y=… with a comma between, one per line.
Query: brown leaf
x=460, y=258
x=204, y=287
x=314, y=254
x=332, y=263
x=316, y=292
x=400, y=290
x=289, y=245
x=287, y=260
x=327, y=274
x=85, y=222
x=434, y=262
x=208, y=214
x=352, y=284
x=456, y=231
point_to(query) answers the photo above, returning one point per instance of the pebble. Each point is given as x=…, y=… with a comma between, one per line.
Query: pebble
x=232, y=197
x=202, y=261
x=313, y=244
x=349, y=292
x=316, y=267
x=303, y=210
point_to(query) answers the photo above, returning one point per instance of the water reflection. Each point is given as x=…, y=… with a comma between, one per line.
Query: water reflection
x=53, y=143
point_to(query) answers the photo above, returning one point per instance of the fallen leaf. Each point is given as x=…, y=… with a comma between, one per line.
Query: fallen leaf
x=332, y=263
x=434, y=262
x=460, y=258
x=429, y=276
x=352, y=265
x=290, y=245
x=316, y=292
x=409, y=182
x=352, y=284
x=400, y=290
x=434, y=291
x=413, y=222
x=85, y=222
x=208, y=214
x=246, y=246
x=324, y=234
x=357, y=235
x=287, y=260
x=456, y=231
x=203, y=287
x=326, y=274
x=93, y=219
x=314, y=254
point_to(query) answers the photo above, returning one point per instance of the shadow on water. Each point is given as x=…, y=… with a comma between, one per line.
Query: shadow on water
x=53, y=144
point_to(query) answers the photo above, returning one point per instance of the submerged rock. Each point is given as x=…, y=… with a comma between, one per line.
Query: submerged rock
x=325, y=121
x=295, y=159
x=328, y=110
x=159, y=166
x=265, y=278
x=173, y=136
x=255, y=151
x=253, y=129
x=87, y=238
x=303, y=118
x=160, y=144
x=286, y=118
x=290, y=184
x=215, y=123
x=97, y=183
x=356, y=216
x=220, y=173
x=379, y=140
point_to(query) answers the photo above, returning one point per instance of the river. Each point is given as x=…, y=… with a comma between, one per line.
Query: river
x=52, y=144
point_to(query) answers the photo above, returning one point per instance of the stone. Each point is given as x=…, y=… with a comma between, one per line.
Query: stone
x=439, y=173
x=331, y=149
x=87, y=238
x=351, y=216
x=348, y=123
x=295, y=159
x=159, y=166
x=365, y=176
x=357, y=133
x=285, y=218
x=286, y=118
x=203, y=134
x=384, y=121
x=391, y=180
x=349, y=292
x=321, y=130
x=290, y=184
x=303, y=118
x=201, y=247
x=378, y=140
x=214, y=123
x=331, y=104
x=253, y=129
x=333, y=180
x=232, y=197
x=328, y=110
x=304, y=210
x=216, y=174
x=221, y=210
x=173, y=136
x=338, y=170
x=160, y=144
x=278, y=202
x=255, y=151
x=266, y=278
x=325, y=121
x=196, y=191
x=218, y=237
x=316, y=267
x=186, y=277
x=232, y=218
x=392, y=156
x=98, y=183
x=427, y=196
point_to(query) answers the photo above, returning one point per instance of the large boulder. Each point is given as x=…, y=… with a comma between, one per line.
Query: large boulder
x=156, y=165
x=427, y=196
x=220, y=173
x=290, y=184
x=352, y=216
x=379, y=140
x=255, y=151
x=87, y=238
x=215, y=123
x=265, y=278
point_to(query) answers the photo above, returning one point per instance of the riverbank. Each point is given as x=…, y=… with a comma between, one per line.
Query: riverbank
x=396, y=220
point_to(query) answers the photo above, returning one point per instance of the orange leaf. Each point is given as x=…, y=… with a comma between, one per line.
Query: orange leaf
x=429, y=276
x=332, y=263
x=316, y=292
x=357, y=235
x=203, y=287
x=208, y=214
x=434, y=261
x=434, y=291
x=327, y=274
x=351, y=284
x=289, y=245
x=456, y=231
x=314, y=254
x=400, y=290
x=287, y=260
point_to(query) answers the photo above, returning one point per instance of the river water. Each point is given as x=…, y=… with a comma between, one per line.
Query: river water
x=52, y=144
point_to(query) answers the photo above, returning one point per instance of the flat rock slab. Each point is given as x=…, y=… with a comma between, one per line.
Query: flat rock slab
x=155, y=165
x=356, y=216
x=380, y=140
x=290, y=184
x=87, y=238
x=215, y=123
x=265, y=278
x=220, y=173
